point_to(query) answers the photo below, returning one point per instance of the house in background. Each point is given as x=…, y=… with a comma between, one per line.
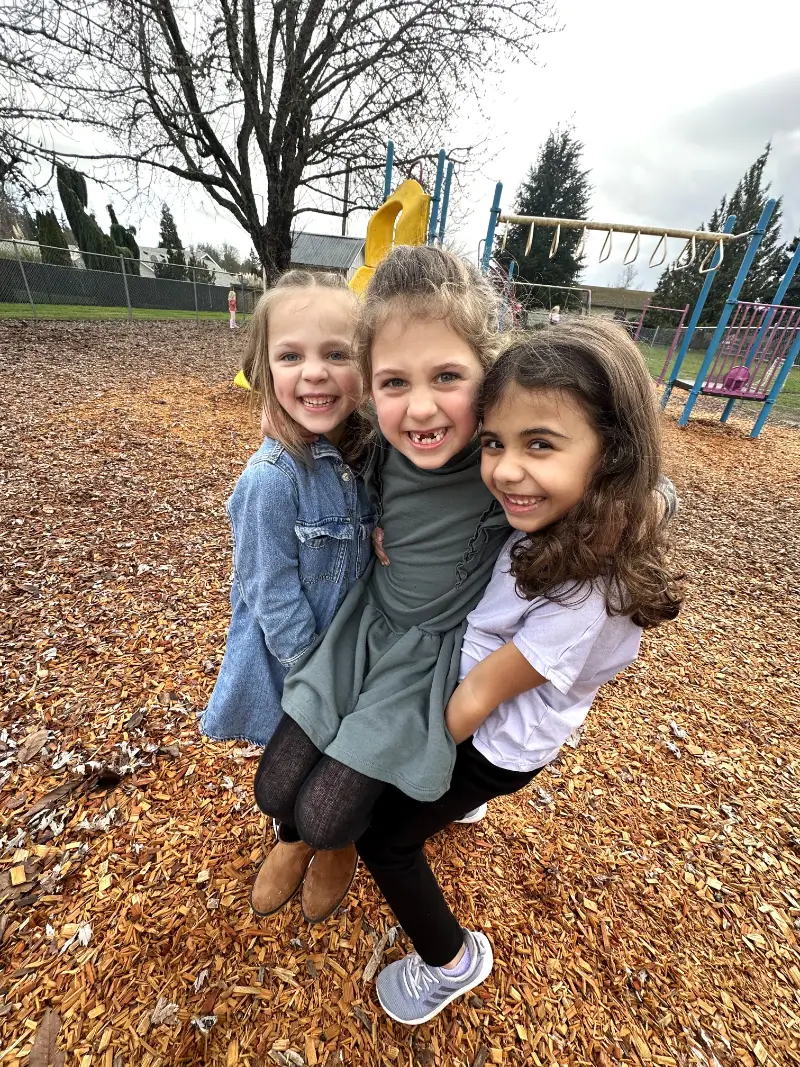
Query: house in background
x=611, y=303
x=150, y=256
x=221, y=277
x=324, y=251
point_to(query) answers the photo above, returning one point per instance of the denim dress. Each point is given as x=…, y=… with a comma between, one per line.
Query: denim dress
x=301, y=539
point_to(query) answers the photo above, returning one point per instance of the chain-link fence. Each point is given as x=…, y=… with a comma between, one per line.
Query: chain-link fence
x=43, y=282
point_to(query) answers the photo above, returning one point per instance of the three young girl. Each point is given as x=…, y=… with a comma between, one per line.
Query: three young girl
x=365, y=708
x=571, y=460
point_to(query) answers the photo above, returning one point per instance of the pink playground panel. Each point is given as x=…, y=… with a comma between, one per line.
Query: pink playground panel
x=752, y=350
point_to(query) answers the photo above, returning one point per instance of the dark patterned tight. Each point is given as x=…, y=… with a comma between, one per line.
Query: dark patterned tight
x=313, y=797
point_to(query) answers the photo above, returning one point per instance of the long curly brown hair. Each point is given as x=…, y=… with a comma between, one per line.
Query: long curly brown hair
x=616, y=533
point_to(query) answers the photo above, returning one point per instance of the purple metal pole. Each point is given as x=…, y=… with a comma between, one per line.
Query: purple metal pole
x=676, y=335
x=641, y=320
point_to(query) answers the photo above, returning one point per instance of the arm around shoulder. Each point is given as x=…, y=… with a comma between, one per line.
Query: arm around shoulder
x=263, y=510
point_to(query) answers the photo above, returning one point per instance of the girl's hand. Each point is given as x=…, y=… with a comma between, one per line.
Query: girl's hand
x=377, y=545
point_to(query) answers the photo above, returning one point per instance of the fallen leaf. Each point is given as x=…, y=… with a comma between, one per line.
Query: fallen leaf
x=45, y=1052
x=135, y=720
x=32, y=746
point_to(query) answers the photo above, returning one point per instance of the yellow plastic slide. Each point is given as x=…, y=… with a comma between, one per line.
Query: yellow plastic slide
x=402, y=219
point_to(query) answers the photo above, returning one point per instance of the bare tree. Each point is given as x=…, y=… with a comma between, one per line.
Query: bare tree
x=237, y=95
x=626, y=277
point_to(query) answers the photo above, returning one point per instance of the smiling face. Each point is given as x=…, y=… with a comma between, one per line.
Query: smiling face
x=538, y=454
x=309, y=342
x=424, y=381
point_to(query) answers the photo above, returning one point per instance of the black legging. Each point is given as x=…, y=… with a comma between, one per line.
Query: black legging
x=327, y=803
x=392, y=849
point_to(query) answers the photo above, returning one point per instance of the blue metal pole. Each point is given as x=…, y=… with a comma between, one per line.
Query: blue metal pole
x=727, y=311
x=433, y=222
x=730, y=222
x=777, y=385
x=445, y=200
x=494, y=214
x=387, y=178
x=780, y=293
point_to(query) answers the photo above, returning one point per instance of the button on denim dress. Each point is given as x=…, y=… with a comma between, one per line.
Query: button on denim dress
x=301, y=539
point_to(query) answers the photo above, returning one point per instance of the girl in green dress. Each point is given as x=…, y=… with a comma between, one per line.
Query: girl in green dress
x=365, y=708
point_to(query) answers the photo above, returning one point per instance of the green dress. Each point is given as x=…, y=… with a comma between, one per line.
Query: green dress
x=372, y=691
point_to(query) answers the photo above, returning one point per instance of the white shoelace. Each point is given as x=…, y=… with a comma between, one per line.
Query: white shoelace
x=418, y=977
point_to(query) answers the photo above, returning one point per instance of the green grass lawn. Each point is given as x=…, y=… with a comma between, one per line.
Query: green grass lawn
x=787, y=404
x=82, y=311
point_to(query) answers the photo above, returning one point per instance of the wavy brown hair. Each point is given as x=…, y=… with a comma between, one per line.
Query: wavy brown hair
x=420, y=282
x=616, y=533
x=256, y=368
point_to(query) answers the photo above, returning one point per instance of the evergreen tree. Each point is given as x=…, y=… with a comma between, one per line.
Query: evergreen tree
x=52, y=245
x=66, y=229
x=792, y=297
x=556, y=187
x=168, y=239
x=197, y=270
x=676, y=288
x=97, y=249
x=124, y=237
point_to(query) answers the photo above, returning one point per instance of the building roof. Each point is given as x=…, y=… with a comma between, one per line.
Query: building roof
x=205, y=257
x=325, y=250
x=606, y=296
x=147, y=252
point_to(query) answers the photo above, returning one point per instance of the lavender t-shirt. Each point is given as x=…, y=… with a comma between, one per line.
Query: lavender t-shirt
x=576, y=646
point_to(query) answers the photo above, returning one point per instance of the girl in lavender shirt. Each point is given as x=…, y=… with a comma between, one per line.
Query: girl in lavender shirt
x=571, y=450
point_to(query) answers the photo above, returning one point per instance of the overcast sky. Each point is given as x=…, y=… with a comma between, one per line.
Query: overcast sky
x=672, y=102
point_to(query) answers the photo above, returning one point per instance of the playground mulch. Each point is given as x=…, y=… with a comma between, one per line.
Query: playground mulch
x=643, y=896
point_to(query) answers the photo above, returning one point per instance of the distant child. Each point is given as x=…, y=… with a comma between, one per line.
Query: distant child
x=300, y=513
x=232, y=308
x=555, y=315
x=571, y=452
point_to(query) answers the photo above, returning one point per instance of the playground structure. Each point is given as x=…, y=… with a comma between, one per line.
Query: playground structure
x=754, y=346
x=407, y=216
x=637, y=333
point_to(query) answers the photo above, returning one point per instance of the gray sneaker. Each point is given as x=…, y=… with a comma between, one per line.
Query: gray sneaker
x=412, y=992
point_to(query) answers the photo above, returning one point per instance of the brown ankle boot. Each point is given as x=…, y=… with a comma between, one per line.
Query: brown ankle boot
x=327, y=881
x=280, y=876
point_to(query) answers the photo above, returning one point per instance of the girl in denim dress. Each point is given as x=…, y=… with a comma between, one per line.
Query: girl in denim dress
x=300, y=514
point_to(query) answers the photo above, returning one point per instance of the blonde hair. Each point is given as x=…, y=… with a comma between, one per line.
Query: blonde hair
x=255, y=364
x=419, y=282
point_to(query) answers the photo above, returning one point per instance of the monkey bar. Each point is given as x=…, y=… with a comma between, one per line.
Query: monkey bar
x=685, y=258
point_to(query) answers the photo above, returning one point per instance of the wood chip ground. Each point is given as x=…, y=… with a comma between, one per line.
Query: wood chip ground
x=643, y=896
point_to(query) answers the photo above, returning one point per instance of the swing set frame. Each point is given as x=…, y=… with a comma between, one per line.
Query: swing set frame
x=770, y=356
